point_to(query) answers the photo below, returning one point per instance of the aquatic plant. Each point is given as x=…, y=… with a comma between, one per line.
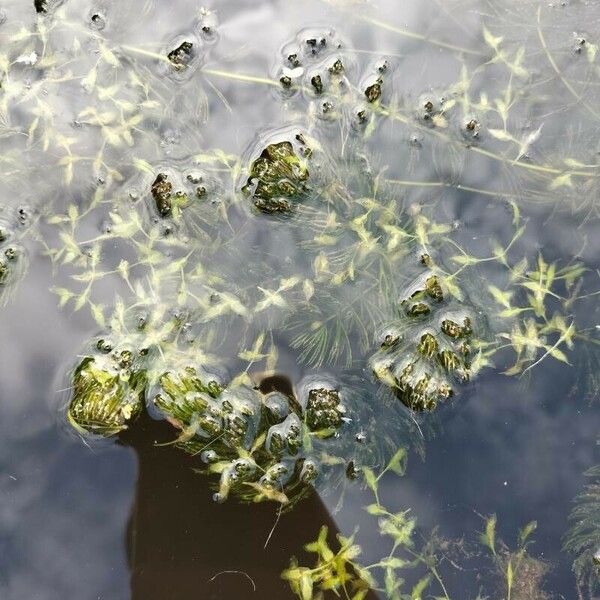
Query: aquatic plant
x=583, y=537
x=253, y=447
x=327, y=241
x=333, y=570
x=514, y=573
x=107, y=389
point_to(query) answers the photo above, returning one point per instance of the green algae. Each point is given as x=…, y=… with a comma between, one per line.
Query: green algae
x=277, y=177
x=107, y=391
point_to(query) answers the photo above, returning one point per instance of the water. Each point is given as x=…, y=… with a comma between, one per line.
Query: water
x=487, y=125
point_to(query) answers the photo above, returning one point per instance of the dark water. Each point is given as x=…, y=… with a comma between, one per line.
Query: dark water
x=130, y=519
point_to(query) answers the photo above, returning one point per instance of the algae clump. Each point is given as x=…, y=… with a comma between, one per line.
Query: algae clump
x=107, y=392
x=277, y=177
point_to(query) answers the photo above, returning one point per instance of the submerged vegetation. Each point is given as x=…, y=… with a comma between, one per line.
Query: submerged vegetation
x=583, y=538
x=418, y=568
x=338, y=241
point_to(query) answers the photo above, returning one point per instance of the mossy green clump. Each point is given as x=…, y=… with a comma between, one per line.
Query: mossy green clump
x=166, y=198
x=324, y=409
x=182, y=397
x=107, y=392
x=205, y=411
x=425, y=354
x=256, y=442
x=277, y=177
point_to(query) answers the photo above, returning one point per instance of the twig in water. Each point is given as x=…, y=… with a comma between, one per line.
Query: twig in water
x=274, y=524
x=237, y=573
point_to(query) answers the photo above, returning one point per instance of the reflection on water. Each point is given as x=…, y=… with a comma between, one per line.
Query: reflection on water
x=480, y=117
x=180, y=543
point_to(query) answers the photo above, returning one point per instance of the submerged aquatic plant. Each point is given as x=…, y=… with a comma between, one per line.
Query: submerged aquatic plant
x=583, y=537
x=514, y=574
x=333, y=570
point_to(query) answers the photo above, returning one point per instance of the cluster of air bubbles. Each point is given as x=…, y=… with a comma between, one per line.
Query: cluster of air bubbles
x=318, y=64
x=581, y=45
x=372, y=84
x=313, y=62
x=322, y=403
x=181, y=55
x=9, y=254
x=372, y=87
x=415, y=140
x=268, y=429
x=24, y=215
x=97, y=20
x=433, y=110
x=428, y=108
x=208, y=25
x=13, y=256
x=176, y=196
x=277, y=407
x=184, y=53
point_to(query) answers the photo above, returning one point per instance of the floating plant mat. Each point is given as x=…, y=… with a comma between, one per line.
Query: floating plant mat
x=327, y=298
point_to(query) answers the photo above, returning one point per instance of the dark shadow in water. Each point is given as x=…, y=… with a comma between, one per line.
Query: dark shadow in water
x=179, y=539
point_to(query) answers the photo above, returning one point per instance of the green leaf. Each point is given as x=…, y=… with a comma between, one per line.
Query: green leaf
x=419, y=588
x=393, y=562
x=500, y=134
x=376, y=509
x=500, y=296
x=558, y=355
x=464, y=259
x=370, y=479
x=488, y=538
x=398, y=462
x=508, y=313
x=306, y=586
x=98, y=314
x=526, y=532
x=490, y=39
x=561, y=181
x=390, y=582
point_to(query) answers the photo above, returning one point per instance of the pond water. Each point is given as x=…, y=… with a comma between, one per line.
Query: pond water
x=270, y=266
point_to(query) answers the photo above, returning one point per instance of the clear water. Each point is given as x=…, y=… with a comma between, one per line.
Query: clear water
x=131, y=519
